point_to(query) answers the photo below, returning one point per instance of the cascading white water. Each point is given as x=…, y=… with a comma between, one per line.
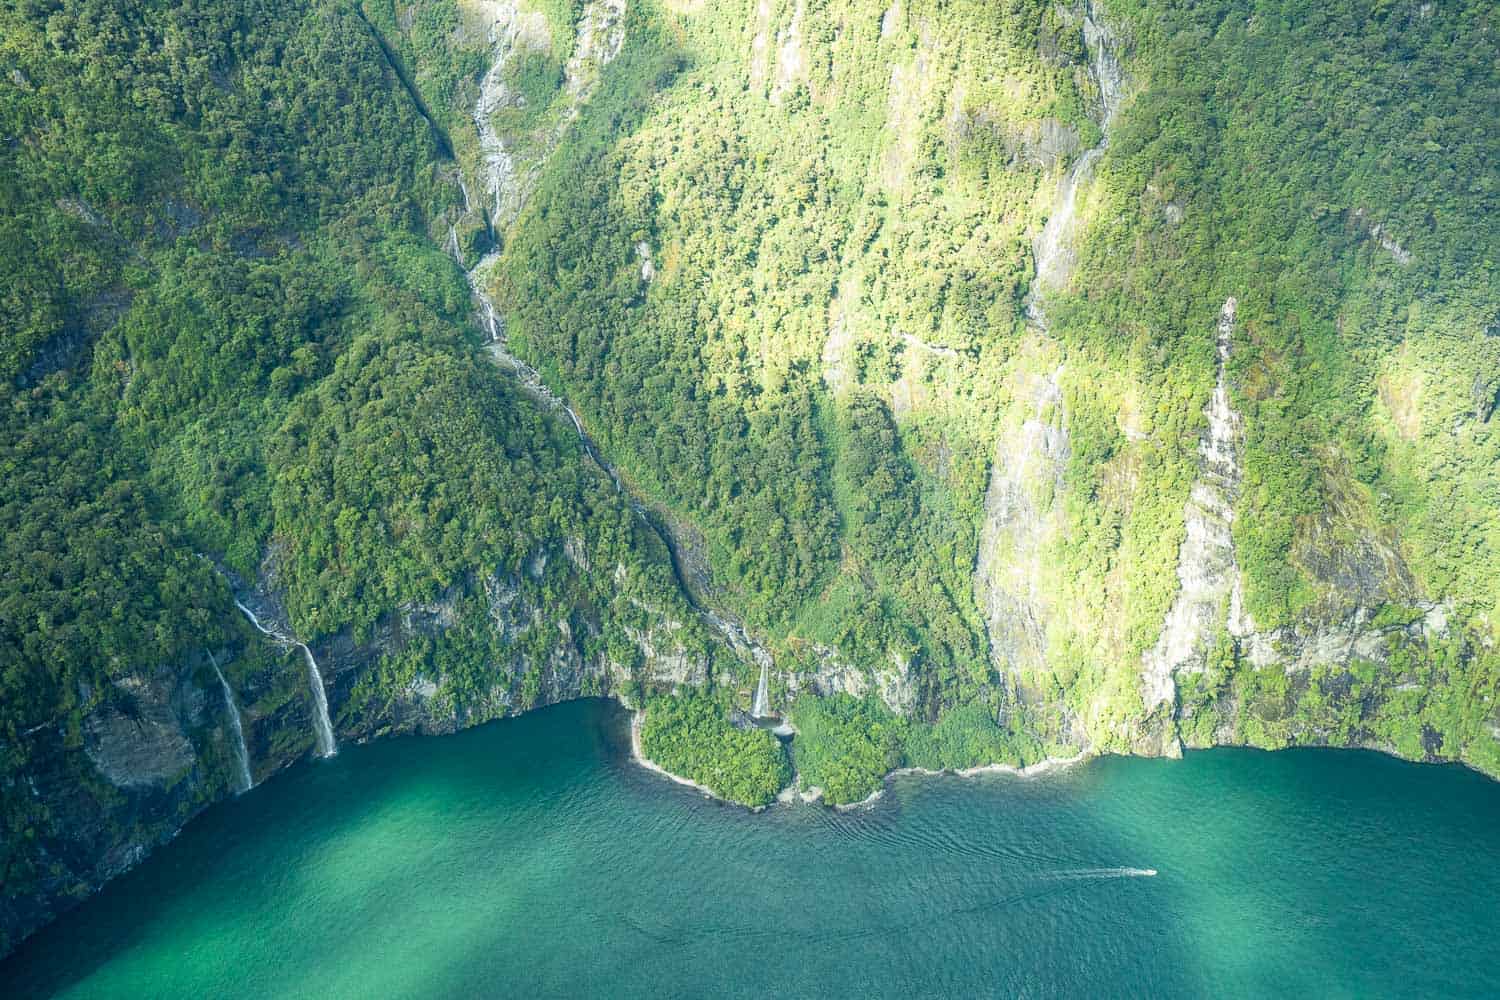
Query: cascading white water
x=600, y=36
x=322, y=724
x=1208, y=575
x=762, y=694
x=1053, y=251
x=247, y=782
x=327, y=745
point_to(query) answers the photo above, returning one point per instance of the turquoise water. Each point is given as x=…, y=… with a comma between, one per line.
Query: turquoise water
x=530, y=858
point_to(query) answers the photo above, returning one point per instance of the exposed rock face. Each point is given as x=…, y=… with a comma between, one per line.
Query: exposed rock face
x=1053, y=249
x=510, y=33
x=890, y=19
x=548, y=662
x=147, y=747
x=911, y=93
x=1358, y=570
x=833, y=675
x=1022, y=514
x=790, y=59
x=1301, y=647
x=1208, y=578
x=891, y=681
x=601, y=35
x=510, y=165
x=894, y=682
x=1021, y=520
x=158, y=748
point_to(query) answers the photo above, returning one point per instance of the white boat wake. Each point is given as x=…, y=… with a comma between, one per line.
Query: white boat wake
x=1100, y=873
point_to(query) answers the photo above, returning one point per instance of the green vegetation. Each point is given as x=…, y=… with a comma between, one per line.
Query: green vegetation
x=230, y=330
x=845, y=745
x=754, y=222
x=833, y=339
x=970, y=736
x=235, y=326
x=691, y=736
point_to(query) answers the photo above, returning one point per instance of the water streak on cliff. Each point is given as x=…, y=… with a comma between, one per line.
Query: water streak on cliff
x=1026, y=475
x=322, y=724
x=242, y=755
x=600, y=37
x=1208, y=576
x=510, y=167
x=762, y=694
x=1022, y=517
x=1053, y=249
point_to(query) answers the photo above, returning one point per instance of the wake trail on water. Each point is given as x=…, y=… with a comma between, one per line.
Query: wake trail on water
x=858, y=830
x=1100, y=873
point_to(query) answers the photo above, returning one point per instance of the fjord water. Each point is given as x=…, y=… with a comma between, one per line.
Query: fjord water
x=531, y=858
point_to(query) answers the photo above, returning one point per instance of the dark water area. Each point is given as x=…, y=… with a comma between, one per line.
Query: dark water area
x=531, y=858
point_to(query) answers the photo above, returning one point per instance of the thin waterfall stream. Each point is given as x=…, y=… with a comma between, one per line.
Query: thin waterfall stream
x=1053, y=248
x=247, y=781
x=1014, y=523
x=322, y=724
x=762, y=694
x=600, y=28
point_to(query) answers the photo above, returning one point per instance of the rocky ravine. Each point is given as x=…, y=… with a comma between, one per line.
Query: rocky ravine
x=189, y=738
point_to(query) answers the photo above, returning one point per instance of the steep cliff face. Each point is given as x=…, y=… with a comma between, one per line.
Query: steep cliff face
x=586, y=605
x=1022, y=520
x=1148, y=506
x=1108, y=487
x=162, y=747
x=957, y=358
x=1209, y=597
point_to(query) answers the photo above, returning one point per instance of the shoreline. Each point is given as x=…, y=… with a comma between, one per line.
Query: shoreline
x=1036, y=770
x=868, y=801
x=637, y=716
x=1041, y=767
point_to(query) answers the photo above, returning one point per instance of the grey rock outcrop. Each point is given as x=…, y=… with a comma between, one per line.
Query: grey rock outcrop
x=1209, y=596
x=1021, y=519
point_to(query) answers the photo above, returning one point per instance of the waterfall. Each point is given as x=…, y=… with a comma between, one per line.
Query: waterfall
x=1208, y=574
x=600, y=35
x=1052, y=250
x=1017, y=533
x=246, y=781
x=531, y=381
x=762, y=693
x=327, y=744
x=499, y=165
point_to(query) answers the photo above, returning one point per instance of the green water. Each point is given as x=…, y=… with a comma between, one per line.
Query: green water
x=530, y=858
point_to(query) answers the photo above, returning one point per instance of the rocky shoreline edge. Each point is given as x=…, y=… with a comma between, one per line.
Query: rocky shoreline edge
x=794, y=793
x=637, y=716
x=1036, y=770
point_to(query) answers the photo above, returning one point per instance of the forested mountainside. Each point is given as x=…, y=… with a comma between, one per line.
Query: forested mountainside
x=997, y=379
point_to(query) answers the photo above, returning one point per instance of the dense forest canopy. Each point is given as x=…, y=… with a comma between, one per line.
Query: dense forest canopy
x=897, y=329
x=228, y=333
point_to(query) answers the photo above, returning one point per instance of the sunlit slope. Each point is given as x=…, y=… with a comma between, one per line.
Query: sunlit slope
x=793, y=264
